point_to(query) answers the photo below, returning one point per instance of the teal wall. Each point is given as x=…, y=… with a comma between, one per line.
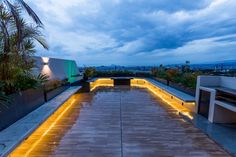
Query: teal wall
x=57, y=68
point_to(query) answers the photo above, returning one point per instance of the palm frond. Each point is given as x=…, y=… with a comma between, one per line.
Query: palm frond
x=42, y=42
x=5, y=35
x=42, y=78
x=15, y=13
x=34, y=33
x=27, y=8
x=30, y=12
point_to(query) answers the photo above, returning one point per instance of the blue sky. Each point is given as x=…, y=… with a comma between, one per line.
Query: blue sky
x=138, y=32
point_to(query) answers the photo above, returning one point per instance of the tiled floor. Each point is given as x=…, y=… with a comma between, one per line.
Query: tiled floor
x=117, y=122
x=224, y=134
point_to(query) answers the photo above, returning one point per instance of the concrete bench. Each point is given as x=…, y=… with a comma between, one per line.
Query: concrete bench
x=17, y=132
x=181, y=95
x=170, y=93
x=219, y=99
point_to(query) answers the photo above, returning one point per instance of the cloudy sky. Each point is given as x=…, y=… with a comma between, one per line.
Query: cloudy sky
x=138, y=32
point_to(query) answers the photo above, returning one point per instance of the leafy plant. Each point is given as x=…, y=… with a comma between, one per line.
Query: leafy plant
x=42, y=79
x=171, y=74
x=17, y=39
x=183, y=76
x=12, y=8
x=89, y=72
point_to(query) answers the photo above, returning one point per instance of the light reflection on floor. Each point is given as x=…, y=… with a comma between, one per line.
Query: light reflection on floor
x=112, y=122
x=48, y=136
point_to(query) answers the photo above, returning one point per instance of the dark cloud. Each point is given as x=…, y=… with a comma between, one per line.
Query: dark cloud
x=93, y=32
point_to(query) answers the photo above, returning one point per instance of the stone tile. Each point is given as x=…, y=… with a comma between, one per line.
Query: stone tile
x=118, y=122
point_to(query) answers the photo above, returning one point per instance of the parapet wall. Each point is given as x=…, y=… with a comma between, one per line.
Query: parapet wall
x=58, y=69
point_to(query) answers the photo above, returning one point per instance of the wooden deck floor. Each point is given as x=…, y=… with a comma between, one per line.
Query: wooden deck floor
x=120, y=122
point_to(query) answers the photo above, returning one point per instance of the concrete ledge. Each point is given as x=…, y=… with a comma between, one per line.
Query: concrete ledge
x=180, y=95
x=227, y=105
x=224, y=112
x=12, y=136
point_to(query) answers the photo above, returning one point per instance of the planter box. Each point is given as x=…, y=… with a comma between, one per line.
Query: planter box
x=176, y=86
x=182, y=88
x=53, y=93
x=21, y=105
x=161, y=80
x=24, y=103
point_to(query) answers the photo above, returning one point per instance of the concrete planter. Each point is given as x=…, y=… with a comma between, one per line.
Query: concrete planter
x=161, y=80
x=21, y=105
x=182, y=88
x=53, y=93
x=26, y=102
x=176, y=86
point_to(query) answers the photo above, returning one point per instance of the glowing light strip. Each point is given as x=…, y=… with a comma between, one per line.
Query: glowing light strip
x=164, y=92
x=49, y=128
x=103, y=82
x=100, y=85
x=169, y=103
x=149, y=86
x=145, y=84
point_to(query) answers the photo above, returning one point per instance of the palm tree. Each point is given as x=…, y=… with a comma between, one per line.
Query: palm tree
x=16, y=61
x=17, y=46
x=14, y=12
x=24, y=6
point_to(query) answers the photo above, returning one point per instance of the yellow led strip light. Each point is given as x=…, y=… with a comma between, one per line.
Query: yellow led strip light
x=54, y=119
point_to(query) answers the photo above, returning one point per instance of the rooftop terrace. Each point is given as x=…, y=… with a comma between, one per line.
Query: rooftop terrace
x=120, y=121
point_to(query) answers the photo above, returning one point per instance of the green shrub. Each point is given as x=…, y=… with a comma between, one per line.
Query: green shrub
x=187, y=79
x=89, y=72
x=17, y=46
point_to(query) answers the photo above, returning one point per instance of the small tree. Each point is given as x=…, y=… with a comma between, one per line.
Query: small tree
x=154, y=71
x=186, y=67
x=171, y=75
x=89, y=72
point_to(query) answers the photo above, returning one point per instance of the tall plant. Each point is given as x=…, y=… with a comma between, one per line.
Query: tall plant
x=11, y=6
x=17, y=39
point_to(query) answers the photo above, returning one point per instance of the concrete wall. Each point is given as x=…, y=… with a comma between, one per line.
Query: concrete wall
x=217, y=113
x=217, y=81
x=22, y=104
x=228, y=82
x=58, y=69
x=209, y=81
